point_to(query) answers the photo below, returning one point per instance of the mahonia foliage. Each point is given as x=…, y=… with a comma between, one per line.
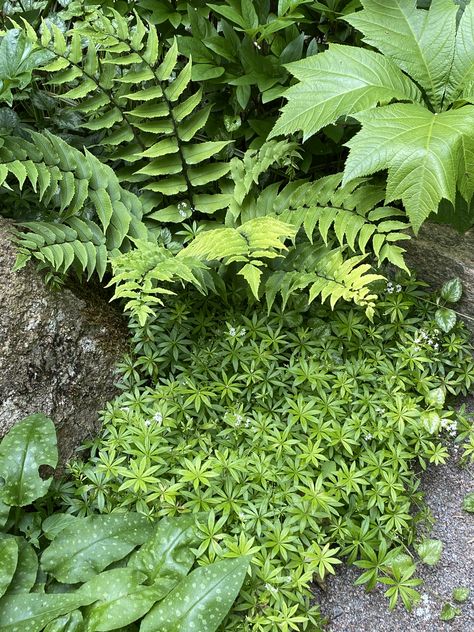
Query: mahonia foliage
x=137, y=96
x=426, y=63
x=92, y=214
x=299, y=433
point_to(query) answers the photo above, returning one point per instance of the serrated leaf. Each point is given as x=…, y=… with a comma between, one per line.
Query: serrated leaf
x=468, y=503
x=449, y=612
x=421, y=42
x=88, y=545
x=445, y=319
x=452, y=290
x=348, y=80
x=28, y=445
x=461, y=594
x=430, y=551
x=252, y=274
x=419, y=148
x=201, y=601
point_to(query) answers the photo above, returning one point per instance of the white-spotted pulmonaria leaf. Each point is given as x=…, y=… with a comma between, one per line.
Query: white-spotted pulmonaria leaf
x=28, y=445
x=71, y=622
x=426, y=154
x=167, y=557
x=26, y=570
x=445, y=319
x=420, y=42
x=54, y=524
x=32, y=612
x=340, y=82
x=430, y=551
x=452, y=290
x=201, y=601
x=120, y=599
x=8, y=562
x=88, y=545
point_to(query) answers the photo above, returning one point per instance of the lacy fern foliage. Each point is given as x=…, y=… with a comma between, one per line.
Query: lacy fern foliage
x=426, y=62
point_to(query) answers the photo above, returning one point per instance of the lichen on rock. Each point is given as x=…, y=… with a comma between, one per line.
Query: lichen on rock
x=58, y=351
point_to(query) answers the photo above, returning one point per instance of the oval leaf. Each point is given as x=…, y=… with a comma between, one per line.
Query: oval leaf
x=21, y=613
x=201, y=601
x=167, y=557
x=452, y=290
x=430, y=551
x=445, y=319
x=88, y=545
x=8, y=562
x=29, y=444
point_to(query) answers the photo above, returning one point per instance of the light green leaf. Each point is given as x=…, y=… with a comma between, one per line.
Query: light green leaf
x=201, y=601
x=28, y=445
x=468, y=503
x=461, y=594
x=340, y=82
x=252, y=275
x=452, y=290
x=420, y=149
x=88, y=545
x=430, y=551
x=8, y=562
x=421, y=42
x=436, y=396
x=167, y=557
x=462, y=70
x=449, y=612
x=445, y=319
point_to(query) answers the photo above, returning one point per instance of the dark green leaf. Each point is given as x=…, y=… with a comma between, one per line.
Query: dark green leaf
x=8, y=562
x=201, y=601
x=452, y=290
x=29, y=444
x=88, y=545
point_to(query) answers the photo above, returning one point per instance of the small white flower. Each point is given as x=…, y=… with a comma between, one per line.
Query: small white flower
x=368, y=437
x=257, y=46
x=398, y=287
x=243, y=332
x=158, y=418
x=147, y=423
x=182, y=213
x=232, y=331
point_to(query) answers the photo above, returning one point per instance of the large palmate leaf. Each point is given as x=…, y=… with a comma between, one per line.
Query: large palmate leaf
x=167, y=557
x=427, y=154
x=461, y=79
x=28, y=445
x=88, y=545
x=201, y=601
x=421, y=42
x=339, y=82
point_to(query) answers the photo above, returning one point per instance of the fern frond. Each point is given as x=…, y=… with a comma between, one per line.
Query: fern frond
x=135, y=92
x=92, y=214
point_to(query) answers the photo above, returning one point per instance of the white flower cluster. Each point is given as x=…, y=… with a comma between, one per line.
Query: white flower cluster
x=450, y=425
x=424, y=338
x=237, y=420
x=157, y=418
x=233, y=331
x=391, y=288
x=182, y=208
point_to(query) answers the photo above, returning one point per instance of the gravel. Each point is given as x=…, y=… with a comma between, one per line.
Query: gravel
x=349, y=609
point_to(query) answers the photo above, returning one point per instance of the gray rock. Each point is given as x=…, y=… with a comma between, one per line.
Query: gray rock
x=440, y=253
x=58, y=351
